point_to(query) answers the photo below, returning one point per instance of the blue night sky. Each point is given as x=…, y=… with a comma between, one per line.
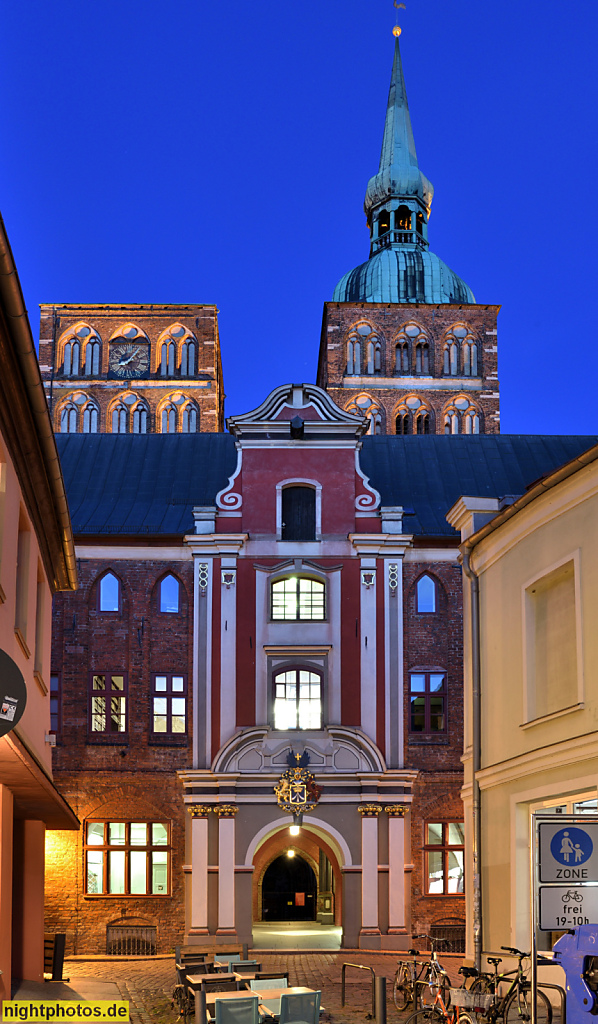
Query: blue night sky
x=217, y=152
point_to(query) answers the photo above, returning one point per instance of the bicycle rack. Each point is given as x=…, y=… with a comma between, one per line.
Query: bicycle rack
x=562, y=994
x=360, y=967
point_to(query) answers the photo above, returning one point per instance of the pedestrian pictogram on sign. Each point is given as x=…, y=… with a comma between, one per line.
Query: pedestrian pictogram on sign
x=571, y=846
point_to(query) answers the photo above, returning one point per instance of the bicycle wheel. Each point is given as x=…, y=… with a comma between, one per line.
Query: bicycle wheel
x=519, y=1008
x=403, y=988
x=466, y=1018
x=484, y=983
x=429, y=1015
x=428, y=988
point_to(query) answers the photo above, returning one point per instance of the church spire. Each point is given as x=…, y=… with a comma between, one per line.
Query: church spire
x=399, y=196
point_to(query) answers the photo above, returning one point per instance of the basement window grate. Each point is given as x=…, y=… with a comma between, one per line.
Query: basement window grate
x=132, y=941
x=454, y=933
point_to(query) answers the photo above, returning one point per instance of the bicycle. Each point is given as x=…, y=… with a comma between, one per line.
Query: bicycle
x=515, y=1005
x=419, y=982
x=406, y=977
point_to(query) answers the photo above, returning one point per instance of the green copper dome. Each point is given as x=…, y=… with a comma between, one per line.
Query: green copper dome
x=397, y=205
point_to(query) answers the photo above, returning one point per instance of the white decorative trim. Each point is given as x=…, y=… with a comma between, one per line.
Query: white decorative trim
x=227, y=499
x=312, y=824
x=317, y=486
x=365, y=502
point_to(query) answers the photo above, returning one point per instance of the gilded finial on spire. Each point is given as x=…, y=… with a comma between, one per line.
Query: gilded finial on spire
x=397, y=30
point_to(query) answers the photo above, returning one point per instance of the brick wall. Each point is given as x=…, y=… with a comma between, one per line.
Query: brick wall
x=388, y=388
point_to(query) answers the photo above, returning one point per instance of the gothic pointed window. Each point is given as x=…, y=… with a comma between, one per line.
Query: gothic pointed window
x=422, y=364
x=461, y=416
x=460, y=352
x=365, y=405
x=92, y=358
x=426, y=594
x=168, y=420
x=168, y=356
x=68, y=419
x=109, y=595
x=170, y=600
x=364, y=350
x=402, y=357
x=71, y=358
x=90, y=418
x=190, y=419
x=119, y=419
x=188, y=358
x=470, y=358
x=139, y=419
x=414, y=416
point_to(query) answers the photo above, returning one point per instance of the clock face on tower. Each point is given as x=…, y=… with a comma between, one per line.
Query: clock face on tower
x=129, y=359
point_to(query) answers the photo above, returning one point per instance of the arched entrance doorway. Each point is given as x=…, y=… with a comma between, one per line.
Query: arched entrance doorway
x=289, y=889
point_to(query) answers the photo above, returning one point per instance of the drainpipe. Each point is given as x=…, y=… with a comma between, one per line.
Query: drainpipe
x=474, y=592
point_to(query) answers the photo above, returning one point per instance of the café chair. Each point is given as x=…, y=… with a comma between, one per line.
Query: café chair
x=300, y=1008
x=261, y=983
x=237, y=1011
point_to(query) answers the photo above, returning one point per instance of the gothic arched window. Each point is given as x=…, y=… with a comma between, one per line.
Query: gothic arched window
x=190, y=419
x=460, y=352
x=109, y=593
x=188, y=358
x=366, y=406
x=119, y=419
x=167, y=359
x=461, y=416
x=90, y=418
x=139, y=421
x=70, y=366
x=425, y=594
x=364, y=350
x=414, y=415
x=68, y=419
x=170, y=594
x=92, y=358
x=168, y=420
x=470, y=358
x=422, y=357
x=402, y=357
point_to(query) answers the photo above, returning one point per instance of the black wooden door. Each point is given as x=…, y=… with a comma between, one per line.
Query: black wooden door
x=298, y=513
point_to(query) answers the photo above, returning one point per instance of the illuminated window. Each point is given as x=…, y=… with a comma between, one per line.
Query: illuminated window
x=364, y=350
x=108, y=703
x=461, y=416
x=169, y=705
x=426, y=594
x=170, y=594
x=444, y=855
x=297, y=700
x=427, y=702
x=127, y=858
x=365, y=405
x=414, y=416
x=109, y=593
x=298, y=598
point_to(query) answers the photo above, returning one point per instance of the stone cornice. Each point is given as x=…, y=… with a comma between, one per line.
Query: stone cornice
x=216, y=543
x=383, y=544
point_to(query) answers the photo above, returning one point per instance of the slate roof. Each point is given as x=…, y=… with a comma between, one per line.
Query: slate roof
x=142, y=483
x=426, y=474
x=147, y=485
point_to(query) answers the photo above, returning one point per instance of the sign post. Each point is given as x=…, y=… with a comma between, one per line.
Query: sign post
x=564, y=878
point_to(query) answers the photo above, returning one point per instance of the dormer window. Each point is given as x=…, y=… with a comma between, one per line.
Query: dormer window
x=298, y=599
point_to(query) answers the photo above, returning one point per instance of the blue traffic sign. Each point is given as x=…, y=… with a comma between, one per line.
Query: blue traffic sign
x=570, y=846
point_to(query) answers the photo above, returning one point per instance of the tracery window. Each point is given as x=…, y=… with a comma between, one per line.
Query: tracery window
x=168, y=419
x=422, y=357
x=177, y=346
x=411, y=338
x=364, y=350
x=190, y=419
x=80, y=340
x=188, y=358
x=366, y=406
x=90, y=418
x=139, y=420
x=119, y=419
x=297, y=699
x=413, y=416
x=402, y=357
x=298, y=598
x=68, y=418
x=461, y=416
x=460, y=353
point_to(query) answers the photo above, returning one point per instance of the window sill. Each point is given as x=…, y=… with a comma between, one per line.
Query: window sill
x=554, y=714
x=101, y=739
x=444, y=896
x=39, y=679
x=22, y=642
x=127, y=896
x=416, y=740
x=167, y=740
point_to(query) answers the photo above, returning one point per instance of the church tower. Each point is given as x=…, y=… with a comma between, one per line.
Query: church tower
x=132, y=369
x=403, y=340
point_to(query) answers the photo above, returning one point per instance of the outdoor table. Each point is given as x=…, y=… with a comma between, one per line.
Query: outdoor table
x=243, y=976
x=194, y=980
x=270, y=997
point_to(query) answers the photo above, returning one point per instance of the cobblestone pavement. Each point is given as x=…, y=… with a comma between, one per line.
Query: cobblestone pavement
x=148, y=982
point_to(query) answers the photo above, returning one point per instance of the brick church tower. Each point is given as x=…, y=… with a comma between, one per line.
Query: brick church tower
x=403, y=340
x=132, y=369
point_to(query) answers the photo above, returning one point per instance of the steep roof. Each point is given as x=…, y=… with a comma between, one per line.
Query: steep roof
x=426, y=474
x=147, y=484
x=142, y=484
